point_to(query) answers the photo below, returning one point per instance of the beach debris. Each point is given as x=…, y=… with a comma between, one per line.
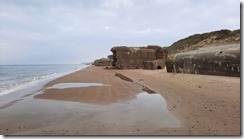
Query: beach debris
x=123, y=77
x=144, y=88
x=148, y=90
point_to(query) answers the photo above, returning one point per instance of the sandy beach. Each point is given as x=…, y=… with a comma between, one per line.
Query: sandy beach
x=175, y=104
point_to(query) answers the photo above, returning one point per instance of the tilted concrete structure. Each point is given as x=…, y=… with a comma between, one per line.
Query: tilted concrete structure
x=219, y=60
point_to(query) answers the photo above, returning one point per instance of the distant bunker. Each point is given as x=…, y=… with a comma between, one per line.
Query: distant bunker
x=103, y=62
x=150, y=57
x=218, y=60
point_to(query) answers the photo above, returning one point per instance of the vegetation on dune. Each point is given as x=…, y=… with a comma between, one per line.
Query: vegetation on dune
x=202, y=40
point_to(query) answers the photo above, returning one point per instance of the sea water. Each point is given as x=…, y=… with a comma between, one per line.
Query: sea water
x=16, y=77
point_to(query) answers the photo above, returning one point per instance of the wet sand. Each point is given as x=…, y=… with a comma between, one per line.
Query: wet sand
x=181, y=104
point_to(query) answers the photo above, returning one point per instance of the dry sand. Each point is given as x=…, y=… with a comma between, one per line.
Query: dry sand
x=206, y=105
x=196, y=105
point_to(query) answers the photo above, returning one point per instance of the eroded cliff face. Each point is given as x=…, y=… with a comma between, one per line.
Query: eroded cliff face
x=217, y=60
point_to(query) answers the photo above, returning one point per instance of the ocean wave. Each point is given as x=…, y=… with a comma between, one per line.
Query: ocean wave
x=25, y=82
x=8, y=88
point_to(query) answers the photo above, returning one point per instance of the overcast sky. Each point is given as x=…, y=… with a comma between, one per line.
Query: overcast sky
x=73, y=31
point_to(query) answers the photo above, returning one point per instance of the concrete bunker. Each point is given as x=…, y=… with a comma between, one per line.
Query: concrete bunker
x=219, y=60
x=154, y=64
x=138, y=57
x=103, y=61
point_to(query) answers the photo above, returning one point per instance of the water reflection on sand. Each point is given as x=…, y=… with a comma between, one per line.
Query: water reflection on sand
x=145, y=113
x=74, y=85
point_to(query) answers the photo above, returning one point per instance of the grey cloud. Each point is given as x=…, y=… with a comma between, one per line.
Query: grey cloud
x=87, y=29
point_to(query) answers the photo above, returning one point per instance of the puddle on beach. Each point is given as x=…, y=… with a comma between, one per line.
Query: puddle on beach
x=145, y=113
x=152, y=110
x=146, y=108
x=74, y=85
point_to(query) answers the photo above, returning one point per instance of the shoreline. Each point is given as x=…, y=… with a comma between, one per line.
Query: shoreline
x=38, y=80
x=200, y=102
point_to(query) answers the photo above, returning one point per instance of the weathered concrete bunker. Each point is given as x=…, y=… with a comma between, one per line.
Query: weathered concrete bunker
x=219, y=60
x=154, y=64
x=103, y=61
x=137, y=57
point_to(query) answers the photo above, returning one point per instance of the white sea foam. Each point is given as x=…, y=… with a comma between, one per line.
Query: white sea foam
x=28, y=82
x=6, y=89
